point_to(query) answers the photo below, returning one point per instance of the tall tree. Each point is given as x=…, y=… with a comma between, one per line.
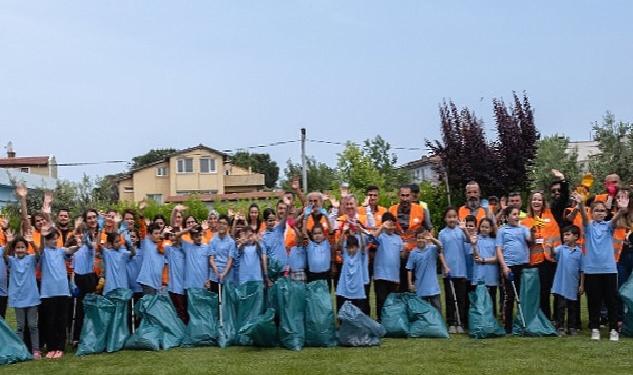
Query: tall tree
x=551, y=154
x=357, y=168
x=615, y=140
x=320, y=176
x=379, y=152
x=151, y=156
x=259, y=163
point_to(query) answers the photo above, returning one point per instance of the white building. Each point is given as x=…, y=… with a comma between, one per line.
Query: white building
x=423, y=169
x=585, y=150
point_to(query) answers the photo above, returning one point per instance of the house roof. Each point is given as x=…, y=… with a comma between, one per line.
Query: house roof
x=424, y=160
x=24, y=161
x=227, y=197
x=180, y=152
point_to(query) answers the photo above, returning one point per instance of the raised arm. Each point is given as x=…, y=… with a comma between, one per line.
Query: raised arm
x=623, y=207
x=21, y=192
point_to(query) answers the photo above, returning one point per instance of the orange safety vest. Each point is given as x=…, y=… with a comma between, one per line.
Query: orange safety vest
x=465, y=211
x=578, y=222
x=290, y=237
x=619, y=233
x=3, y=238
x=547, y=235
x=378, y=216
x=416, y=220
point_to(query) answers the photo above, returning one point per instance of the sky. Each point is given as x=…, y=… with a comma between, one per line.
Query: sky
x=92, y=81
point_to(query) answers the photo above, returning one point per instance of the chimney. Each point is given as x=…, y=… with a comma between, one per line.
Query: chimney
x=10, y=152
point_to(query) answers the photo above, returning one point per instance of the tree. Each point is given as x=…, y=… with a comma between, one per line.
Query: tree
x=379, y=152
x=551, y=154
x=105, y=190
x=259, y=163
x=151, y=156
x=357, y=168
x=615, y=140
x=320, y=176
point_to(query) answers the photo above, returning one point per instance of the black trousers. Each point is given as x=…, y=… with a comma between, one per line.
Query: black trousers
x=3, y=306
x=546, y=272
x=602, y=287
x=563, y=304
x=461, y=296
x=180, y=303
x=492, y=290
x=86, y=284
x=54, y=312
x=382, y=289
x=508, y=301
x=404, y=281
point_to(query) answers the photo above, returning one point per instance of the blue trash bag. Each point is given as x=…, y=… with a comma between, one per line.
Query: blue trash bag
x=290, y=297
x=12, y=349
x=357, y=329
x=626, y=293
x=536, y=323
x=227, y=320
x=98, y=313
x=424, y=319
x=119, y=330
x=482, y=323
x=250, y=304
x=262, y=330
x=394, y=316
x=320, y=329
x=202, y=329
x=160, y=326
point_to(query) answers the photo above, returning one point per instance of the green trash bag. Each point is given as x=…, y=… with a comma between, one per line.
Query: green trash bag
x=119, y=329
x=261, y=330
x=202, y=306
x=536, y=323
x=227, y=320
x=482, y=323
x=250, y=296
x=320, y=327
x=394, y=316
x=626, y=293
x=160, y=326
x=291, y=302
x=12, y=348
x=357, y=329
x=424, y=319
x=98, y=313
x=275, y=269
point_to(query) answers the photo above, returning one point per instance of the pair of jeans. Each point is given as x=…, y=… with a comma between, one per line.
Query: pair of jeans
x=382, y=289
x=602, y=287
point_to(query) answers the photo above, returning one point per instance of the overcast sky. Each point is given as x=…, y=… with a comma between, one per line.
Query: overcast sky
x=92, y=81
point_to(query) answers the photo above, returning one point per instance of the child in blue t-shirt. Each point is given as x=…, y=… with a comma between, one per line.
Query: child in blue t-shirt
x=423, y=263
x=568, y=282
x=351, y=284
x=250, y=257
x=485, y=267
x=115, y=259
x=598, y=263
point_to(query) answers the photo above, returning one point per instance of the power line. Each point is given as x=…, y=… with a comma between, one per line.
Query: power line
x=358, y=144
x=78, y=164
x=272, y=144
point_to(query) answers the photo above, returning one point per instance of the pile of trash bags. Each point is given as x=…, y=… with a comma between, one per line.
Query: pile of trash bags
x=407, y=315
x=626, y=293
x=482, y=323
x=530, y=320
x=12, y=349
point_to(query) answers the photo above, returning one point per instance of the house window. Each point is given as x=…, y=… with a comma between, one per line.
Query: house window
x=185, y=165
x=25, y=170
x=128, y=189
x=162, y=171
x=207, y=165
x=158, y=198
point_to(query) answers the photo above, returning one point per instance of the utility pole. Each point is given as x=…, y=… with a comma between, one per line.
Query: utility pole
x=304, y=171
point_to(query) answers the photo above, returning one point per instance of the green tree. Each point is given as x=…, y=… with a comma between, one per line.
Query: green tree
x=615, y=140
x=358, y=169
x=151, y=156
x=105, y=190
x=259, y=163
x=436, y=198
x=320, y=176
x=550, y=154
x=379, y=152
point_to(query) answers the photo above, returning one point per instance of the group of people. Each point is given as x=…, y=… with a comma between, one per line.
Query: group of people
x=578, y=243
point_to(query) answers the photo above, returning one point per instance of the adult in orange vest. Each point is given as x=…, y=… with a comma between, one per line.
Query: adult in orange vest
x=409, y=218
x=415, y=196
x=473, y=203
x=545, y=237
x=373, y=194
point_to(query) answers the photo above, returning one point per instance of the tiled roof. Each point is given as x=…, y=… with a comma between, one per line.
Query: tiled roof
x=226, y=197
x=24, y=161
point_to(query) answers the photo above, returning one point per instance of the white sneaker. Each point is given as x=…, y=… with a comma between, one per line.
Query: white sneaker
x=460, y=329
x=614, y=335
x=595, y=334
x=452, y=330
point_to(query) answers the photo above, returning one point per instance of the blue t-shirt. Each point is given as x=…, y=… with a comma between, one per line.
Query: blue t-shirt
x=133, y=267
x=221, y=250
x=273, y=242
x=3, y=274
x=297, y=259
x=488, y=273
x=84, y=260
x=351, y=284
x=54, y=276
x=387, y=259
x=599, y=254
x=175, y=258
x=319, y=256
x=152, y=263
x=22, y=285
x=513, y=241
x=250, y=263
x=423, y=263
x=567, y=276
x=454, y=241
x=115, y=262
x=196, y=264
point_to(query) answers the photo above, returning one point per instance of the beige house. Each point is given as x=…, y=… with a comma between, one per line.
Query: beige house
x=37, y=165
x=198, y=170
